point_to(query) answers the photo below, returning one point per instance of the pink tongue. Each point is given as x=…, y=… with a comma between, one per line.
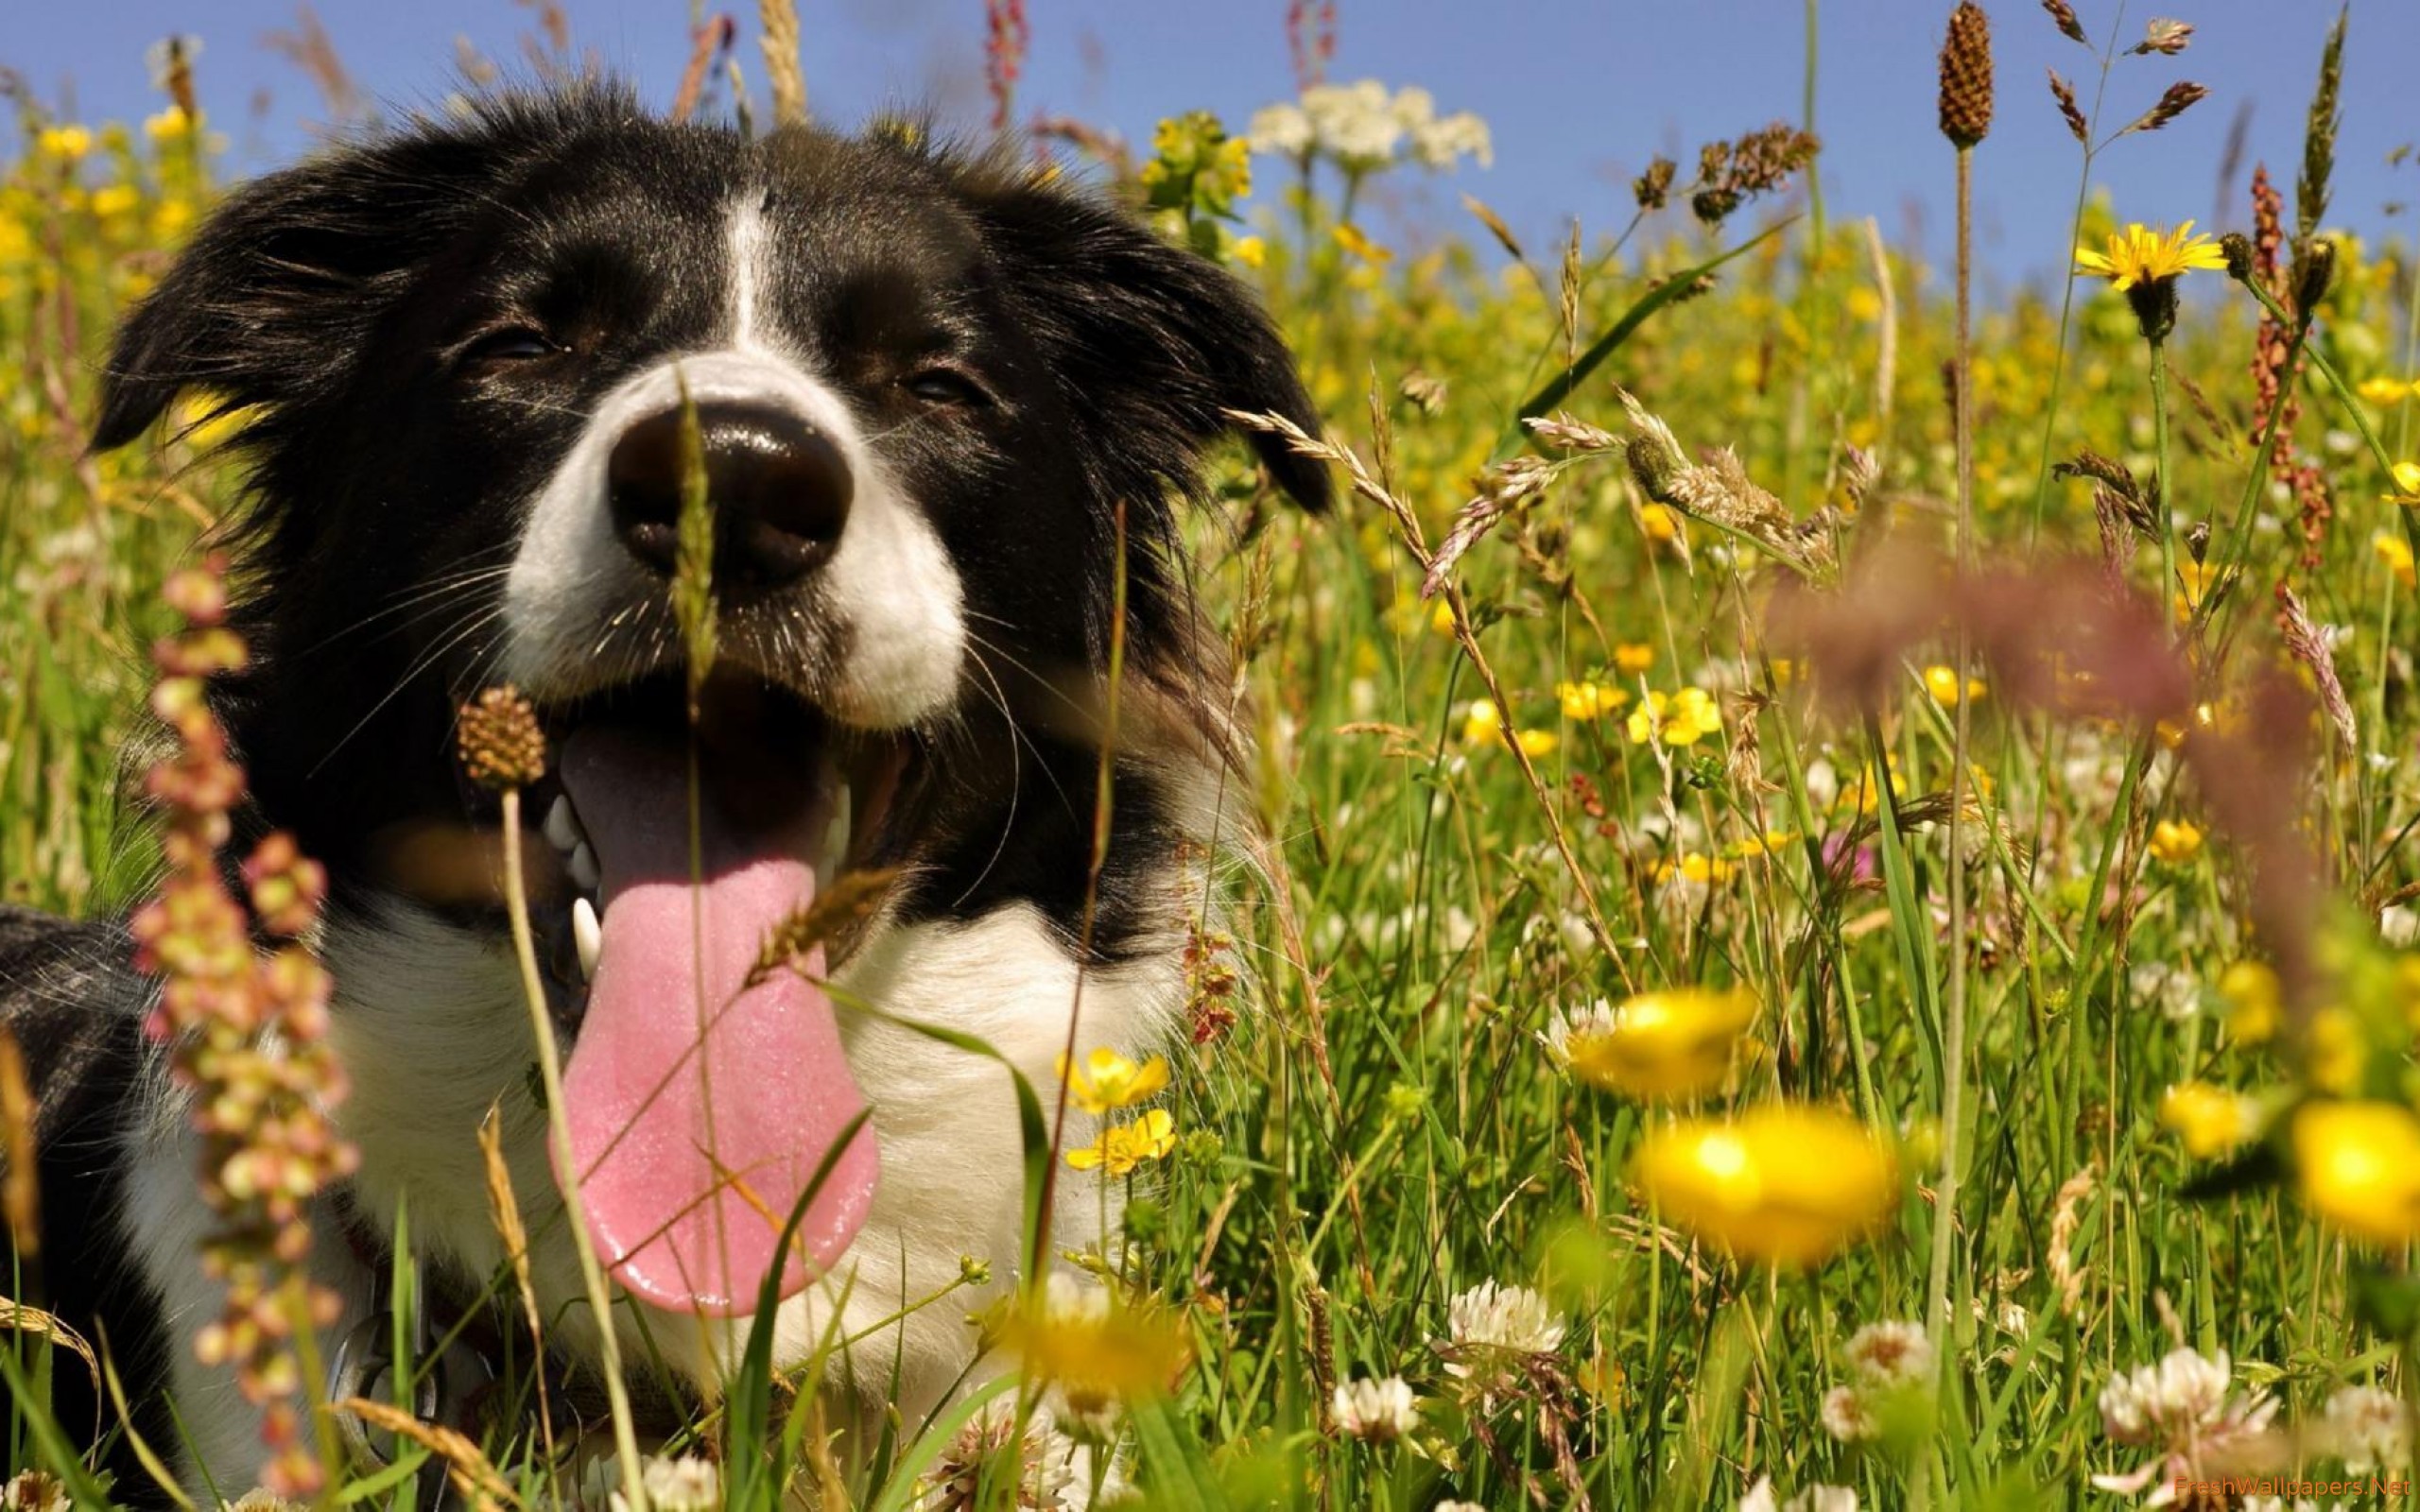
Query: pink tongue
x=690, y=1163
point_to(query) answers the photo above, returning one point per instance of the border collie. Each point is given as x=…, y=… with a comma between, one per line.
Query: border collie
x=944, y=400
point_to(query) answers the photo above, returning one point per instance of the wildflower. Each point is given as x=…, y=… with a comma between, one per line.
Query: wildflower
x=1847, y=1416
x=2174, y=989
x=1584, y=701
x=1482, y=723
x=1281, y=130
x=1680, y=719
x=115, y=200
x=1944, y=683
x=501, y=744
x=1441, y=619
x=2359, y=1165
x=1356, y=124
x=2383, y=390
x=686, y=1483
x=2139, y=255
x=1354, y=240
x=2210, y=1120
x=2335, y=1051
x=1440, y=142
x=2194, y=579
x=35, y=1491
x=1658, y=1046
x=2185, y=1407
x=1045, y=1467
x=1631, y=658
x=2367, y=1429
x=1376, y=1412
x=1493, y=1329
x=1694, y=872
x=2407, y=481
x=1659, y=522
x=2395, y=553
x=1106, y=1080
x=1893, y=1354
x=1965, y=98
x=1761, y=1497
x=2175, y=841
x=1123, y=1146
x=1784, y=1184
x=66, y=143
x=1096, y=1351
x=169, y=125
x=1251, y=250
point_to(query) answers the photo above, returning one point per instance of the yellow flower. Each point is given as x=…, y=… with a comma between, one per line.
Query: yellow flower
x=2407, y=484
x=2195, y=578
x=1631, y=658
x=1251, y=250
x=2175, y=841
x=2383, y=390
x=2335, y=1053
x=1941, y=682
x=1660, y=522
x=1482, y=723
x=1538, y=743
x=2397, y=553
x=67, y=143
x=115, y=199
x=2138, y=255
x=1440, y=618
x=204, y=423
x=1749, y=847
x=171, y=125
x=1696, y=870
x=2360, y=1168
x=1106, y=1080
x=1657, y=1046
x=1589, y=700
x=1683, y=718
x=2211, y=1120
x=1123, y=1146
x=2256, y=1002
x=1784, y=1184
x=1350, y=237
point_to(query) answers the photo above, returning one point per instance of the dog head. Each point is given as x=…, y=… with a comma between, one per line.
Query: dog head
x=943, y=410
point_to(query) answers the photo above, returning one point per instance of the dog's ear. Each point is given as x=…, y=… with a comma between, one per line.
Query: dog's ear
x=1156, y=340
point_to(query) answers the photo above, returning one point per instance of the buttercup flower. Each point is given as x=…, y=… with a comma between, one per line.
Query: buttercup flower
x=2256, y=1002
x=2209, y=1121
x=2385, y=391
x=1123, y=1146
x=1784, y=1184
x=2407, y=484
x=2175, y=841
x=1106, y=1080
x=1681, y=719
x=1631, y=658
x=1376, y=1412
x=2359, y=1165
x=1583, y=701
x=2395, y=553
x=1944, y=685
x=1658, y=1046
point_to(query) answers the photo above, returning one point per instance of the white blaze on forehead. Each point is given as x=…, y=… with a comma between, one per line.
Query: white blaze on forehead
x=882, y=623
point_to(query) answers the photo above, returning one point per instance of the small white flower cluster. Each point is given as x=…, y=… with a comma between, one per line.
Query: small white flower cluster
x=1762, y=1497
x=34, y=1491
x=2184, y=1406
x=1511, y=1318
x=1360, y=127
x=1376, y=1412
x=1888, y=1359
x=1050, y=1470
x=683, y=1484
x=2367, y=1429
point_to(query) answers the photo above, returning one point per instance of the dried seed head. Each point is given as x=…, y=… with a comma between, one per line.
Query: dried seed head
x=2069, y=110
x=2181, y=97
x=500, y=741
x=2163, y=36
x=2237, y=248
x=2063, y=15
x=2313, y=273
x=1654, y=188
x=1966, y=77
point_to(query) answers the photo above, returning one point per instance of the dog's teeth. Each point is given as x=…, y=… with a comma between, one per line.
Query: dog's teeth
x=562, y=827
x=587, y=935
x=835, y=836
x=583, y=867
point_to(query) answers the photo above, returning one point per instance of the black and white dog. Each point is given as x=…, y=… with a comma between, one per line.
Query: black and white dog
x=929, y=388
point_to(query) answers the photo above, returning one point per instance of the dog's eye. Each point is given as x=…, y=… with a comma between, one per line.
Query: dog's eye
x=507, y=345
x=946, y=385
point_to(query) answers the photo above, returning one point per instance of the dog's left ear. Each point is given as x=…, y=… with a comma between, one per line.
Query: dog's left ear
x=1156, y=340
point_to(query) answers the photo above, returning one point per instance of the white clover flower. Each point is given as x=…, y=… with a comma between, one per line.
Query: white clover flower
x=1513, y=1318
x=1050, y=1470
x=1845, y=1416
x=2366, y=1429
x=1283, y=130
x=1892, y=1355
x=1376, y=1412
x=1762, y=1497
x=681, y=1483
x=34, y=1491
x=2183, y=1407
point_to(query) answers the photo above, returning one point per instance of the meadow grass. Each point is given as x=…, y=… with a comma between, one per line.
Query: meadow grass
x=1706, y=751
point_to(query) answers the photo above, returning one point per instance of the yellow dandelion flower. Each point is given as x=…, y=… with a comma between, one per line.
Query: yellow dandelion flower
x=2175, y=841
x=1631, y=658
x=1784, y=1184
x=1106, y=1080
x=2359, y=1165
x=1656, y=1046
x=2209, y=1121
x=2139, y=255
x=2383, y=390
x=1942, y=684
x=1660, y=522
x=1123, y=1146
x=2395, y=553
x=2407, y=484
x=2256, y=1002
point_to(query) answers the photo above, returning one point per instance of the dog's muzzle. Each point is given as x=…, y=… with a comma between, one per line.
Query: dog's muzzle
x=780, y=490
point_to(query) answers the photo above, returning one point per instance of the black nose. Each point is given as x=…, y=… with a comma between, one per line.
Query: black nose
x=779, y=488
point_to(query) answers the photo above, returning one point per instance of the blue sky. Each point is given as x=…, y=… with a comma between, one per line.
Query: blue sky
x=1579, y=92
